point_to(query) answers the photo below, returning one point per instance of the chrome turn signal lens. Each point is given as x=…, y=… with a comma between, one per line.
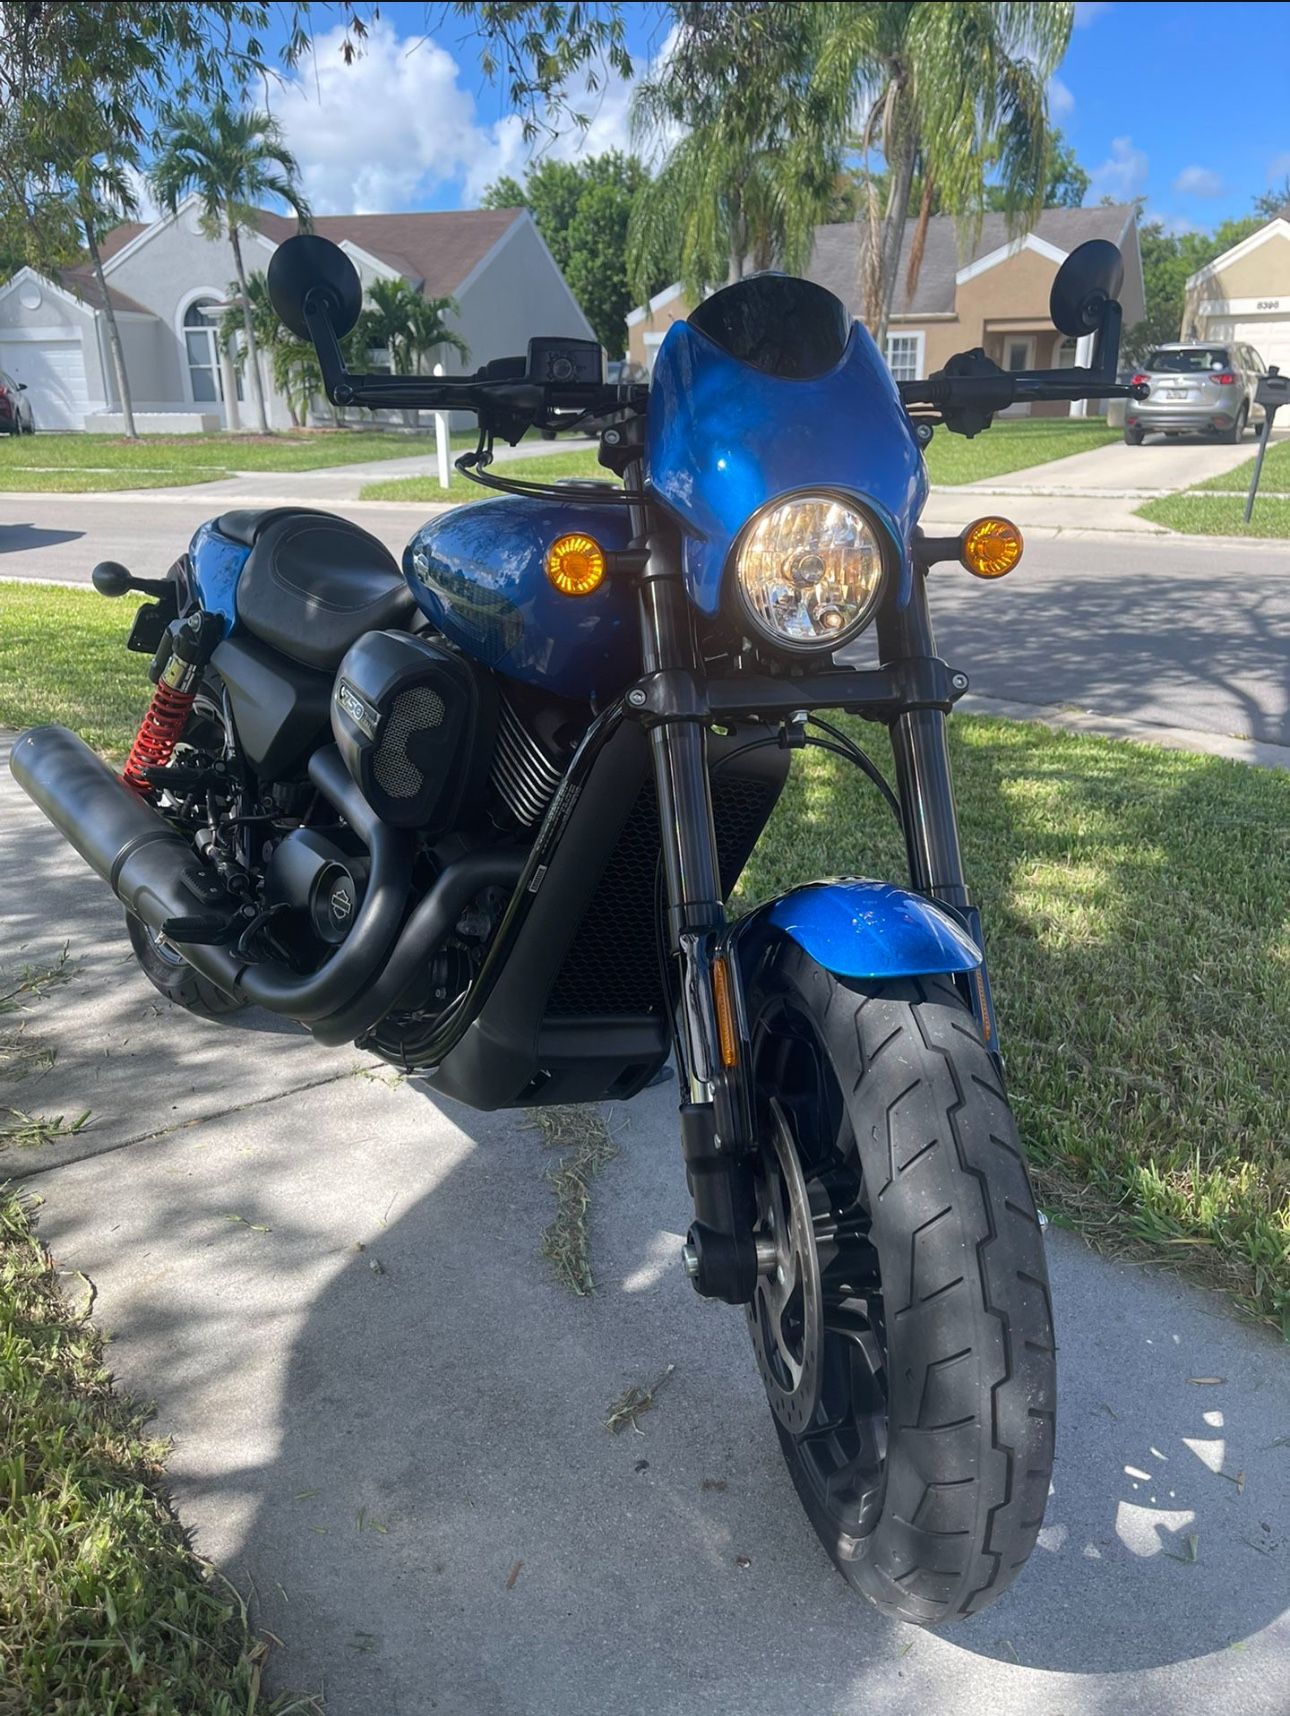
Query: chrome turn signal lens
x=575, y=564
x=991, y=547
x=810, y=571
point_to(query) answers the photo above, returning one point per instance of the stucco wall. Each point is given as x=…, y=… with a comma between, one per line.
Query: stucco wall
x=1262, y=273
x=56, y=314
x=656, y=324
x=519, y=292
x=177, y=265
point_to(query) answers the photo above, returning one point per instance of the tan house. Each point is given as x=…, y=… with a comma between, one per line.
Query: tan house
x=993, y=293
x=1244, y=295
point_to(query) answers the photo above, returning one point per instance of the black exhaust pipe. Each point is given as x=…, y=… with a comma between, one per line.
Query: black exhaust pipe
x=157, y=875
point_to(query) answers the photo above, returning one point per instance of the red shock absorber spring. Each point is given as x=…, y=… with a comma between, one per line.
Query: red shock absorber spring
x=158, y=734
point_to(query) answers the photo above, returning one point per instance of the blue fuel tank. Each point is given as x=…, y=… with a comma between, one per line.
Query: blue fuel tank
x=479, y=573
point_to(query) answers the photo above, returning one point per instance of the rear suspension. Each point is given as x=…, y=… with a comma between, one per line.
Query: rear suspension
x=192, y=645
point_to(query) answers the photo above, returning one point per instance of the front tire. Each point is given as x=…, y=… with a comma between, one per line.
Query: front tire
x=1133, y=437
x=925, y=1461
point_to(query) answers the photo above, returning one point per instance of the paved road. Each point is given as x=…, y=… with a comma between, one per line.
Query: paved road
x=389, y=1419
x=1168, y=631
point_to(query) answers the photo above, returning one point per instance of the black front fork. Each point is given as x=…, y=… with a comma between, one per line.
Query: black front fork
x=717, y=1108
x=716, y=1119
x=920, y=752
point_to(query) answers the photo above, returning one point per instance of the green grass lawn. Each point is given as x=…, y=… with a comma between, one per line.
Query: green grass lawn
x=104, y=1609
x=578, y=462
x=73, y=464
x=1135, y=907
x=1012, y=445
x=1276, y=472
x=1199, y=514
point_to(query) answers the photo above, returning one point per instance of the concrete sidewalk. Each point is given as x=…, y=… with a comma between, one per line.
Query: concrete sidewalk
x=335, y=485
x=389, y=1419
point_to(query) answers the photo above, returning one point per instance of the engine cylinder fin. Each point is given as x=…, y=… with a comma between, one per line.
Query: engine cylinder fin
x=522, y=773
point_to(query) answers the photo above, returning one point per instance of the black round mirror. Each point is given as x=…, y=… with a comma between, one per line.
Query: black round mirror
x=1090, y=275
x=308, y=264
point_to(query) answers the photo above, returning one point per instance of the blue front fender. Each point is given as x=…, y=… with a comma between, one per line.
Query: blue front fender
x=858, y=928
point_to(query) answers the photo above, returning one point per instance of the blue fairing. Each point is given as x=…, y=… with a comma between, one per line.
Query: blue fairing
x=479, y=573
x=724, y=438
x=217, y=564
x=858, y=928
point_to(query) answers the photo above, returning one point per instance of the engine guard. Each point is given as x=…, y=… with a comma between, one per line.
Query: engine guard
x=854, y=927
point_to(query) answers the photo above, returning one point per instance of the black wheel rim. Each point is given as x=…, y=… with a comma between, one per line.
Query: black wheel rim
x=842, y=1448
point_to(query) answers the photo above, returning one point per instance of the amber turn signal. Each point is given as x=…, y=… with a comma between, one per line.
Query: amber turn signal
x=991, y=547
x=575, y=564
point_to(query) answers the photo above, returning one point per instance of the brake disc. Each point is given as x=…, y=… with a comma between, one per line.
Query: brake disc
x=786, y=1315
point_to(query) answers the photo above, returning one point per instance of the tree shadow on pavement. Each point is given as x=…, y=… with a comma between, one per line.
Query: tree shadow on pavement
x=390, y=1419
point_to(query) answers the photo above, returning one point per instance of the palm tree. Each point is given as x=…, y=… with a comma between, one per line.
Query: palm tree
x=945, y=90
x=231, y=159
x=754, y=168
x=102, y=197
x=399, y=321
x=293, y=362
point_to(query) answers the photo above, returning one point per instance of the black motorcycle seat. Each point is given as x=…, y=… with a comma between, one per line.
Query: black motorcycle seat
x=314, y=583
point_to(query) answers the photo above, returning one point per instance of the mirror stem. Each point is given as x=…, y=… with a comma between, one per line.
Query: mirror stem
x=331, y=360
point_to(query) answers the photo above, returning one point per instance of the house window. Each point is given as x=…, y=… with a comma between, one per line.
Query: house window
x=1066, y=354
x=904, y=355
x=201, y=343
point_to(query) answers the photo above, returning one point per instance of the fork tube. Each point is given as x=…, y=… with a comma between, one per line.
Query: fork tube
x=680, y=748
x=921, y=753
x=687, y=833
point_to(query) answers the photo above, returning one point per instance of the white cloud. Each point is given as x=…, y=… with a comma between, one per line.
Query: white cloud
x=1122, y=175
x=1279, y=168
x=376, y=135
x=1199, y=182
x=397, y=128
x=1087, y=11
x=1061, y=103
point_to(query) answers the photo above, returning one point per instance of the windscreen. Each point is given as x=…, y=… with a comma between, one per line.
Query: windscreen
x=1196, y=360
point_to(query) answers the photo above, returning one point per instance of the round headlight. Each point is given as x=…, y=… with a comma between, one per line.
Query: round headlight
x=810, y=570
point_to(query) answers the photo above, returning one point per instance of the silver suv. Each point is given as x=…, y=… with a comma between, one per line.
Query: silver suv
x=1196, y=389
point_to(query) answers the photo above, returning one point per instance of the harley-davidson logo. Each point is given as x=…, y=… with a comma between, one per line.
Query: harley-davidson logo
x=341, y=905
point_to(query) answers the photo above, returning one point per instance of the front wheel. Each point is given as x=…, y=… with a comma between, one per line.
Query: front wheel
x=904, y=1333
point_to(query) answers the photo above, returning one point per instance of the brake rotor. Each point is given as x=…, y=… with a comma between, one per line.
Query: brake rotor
x=786, y=1315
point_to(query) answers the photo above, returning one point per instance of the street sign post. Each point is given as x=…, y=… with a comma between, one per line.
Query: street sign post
x=1272, y=392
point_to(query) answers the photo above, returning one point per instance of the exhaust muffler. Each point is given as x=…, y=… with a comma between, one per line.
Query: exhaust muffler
x=158, y=876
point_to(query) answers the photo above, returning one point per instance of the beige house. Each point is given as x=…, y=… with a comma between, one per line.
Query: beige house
x=992, y=293
x=1244, y=295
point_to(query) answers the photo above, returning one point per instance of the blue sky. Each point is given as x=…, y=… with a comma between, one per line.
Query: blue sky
x=1187, y=104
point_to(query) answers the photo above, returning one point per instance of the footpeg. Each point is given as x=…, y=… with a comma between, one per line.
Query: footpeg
x=199, y=932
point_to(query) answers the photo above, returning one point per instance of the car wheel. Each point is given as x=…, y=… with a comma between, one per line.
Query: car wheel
x=1133, y=437
x=1231, y=436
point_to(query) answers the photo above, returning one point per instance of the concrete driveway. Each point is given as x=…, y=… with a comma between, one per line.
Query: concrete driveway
x=1159, y=466
x=389, y=1420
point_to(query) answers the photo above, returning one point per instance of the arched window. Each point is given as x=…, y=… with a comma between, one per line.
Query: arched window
x=201, y=341
x=1066, y=354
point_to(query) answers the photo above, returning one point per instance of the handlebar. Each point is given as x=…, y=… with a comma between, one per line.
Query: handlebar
x=997, y=392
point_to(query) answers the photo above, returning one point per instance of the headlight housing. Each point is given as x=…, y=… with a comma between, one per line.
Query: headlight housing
x=809, y=568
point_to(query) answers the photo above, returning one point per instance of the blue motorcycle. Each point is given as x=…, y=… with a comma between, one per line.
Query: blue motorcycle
x=482, y=815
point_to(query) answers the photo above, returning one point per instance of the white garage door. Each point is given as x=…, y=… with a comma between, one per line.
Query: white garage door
x=54, y=370
x=1270, y=337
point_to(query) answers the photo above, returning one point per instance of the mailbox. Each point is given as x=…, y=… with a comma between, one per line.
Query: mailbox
x=1272, y=392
